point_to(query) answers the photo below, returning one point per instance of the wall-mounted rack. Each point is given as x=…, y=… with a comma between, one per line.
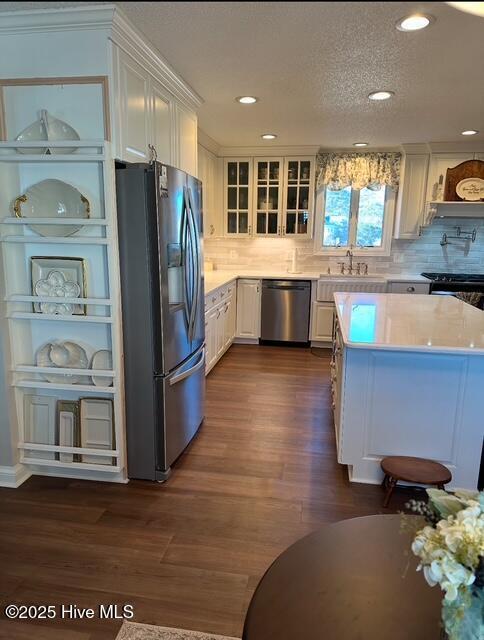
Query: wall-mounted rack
x=460, y=234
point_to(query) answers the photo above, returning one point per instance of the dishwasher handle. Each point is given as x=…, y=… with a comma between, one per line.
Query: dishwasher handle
x=285, y=287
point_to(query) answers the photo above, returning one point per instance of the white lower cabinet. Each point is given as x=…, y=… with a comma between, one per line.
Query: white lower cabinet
x=220, y=320
x=248, y=309
x=409, y=287
x=322, y=321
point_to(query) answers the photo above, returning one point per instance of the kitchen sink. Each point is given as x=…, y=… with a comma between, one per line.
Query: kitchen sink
x=339, y=277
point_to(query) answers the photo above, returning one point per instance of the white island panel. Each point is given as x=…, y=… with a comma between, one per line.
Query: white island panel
x=400, y=396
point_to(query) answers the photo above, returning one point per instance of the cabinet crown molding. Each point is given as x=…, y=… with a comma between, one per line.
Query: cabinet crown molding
x=120, y=31
x=268, y=151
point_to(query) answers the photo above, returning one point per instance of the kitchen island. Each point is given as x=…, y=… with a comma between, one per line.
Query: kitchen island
x=407, y=378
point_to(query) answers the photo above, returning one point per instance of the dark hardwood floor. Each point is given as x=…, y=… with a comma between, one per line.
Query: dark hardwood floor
x=261, y=473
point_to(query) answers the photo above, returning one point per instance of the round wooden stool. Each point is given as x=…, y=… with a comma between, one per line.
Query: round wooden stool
x=408, y=469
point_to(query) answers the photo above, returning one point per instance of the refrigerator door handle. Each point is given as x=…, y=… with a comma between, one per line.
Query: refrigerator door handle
x=185, y=257
x=189, y=372
x=196, y=260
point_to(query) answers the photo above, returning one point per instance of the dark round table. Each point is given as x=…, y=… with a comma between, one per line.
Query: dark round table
x=353, y=580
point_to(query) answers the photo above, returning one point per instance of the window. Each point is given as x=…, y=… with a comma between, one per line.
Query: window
x=355, y=217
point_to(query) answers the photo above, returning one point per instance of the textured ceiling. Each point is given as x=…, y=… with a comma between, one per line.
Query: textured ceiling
x=312, y=64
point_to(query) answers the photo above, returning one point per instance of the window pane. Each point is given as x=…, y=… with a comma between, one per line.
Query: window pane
x=243, y=222
x=303, y=198
x=302, y=222
x=371, y=211
x=232, y=198
x=243, y=197
x=232, y=222
x=244, y=173
x=292, y=170
x=232, y=173
x=273, y=198
x=262, y=171
x=261, y=222
x=291, y=198
x=337, y=207
x=272, y=226
x=290, y=223
x=274, y=171
x=261, y=197
x=305, y=170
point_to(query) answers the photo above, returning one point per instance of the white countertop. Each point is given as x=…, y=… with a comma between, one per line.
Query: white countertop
x=400, y=322
x=215, y=279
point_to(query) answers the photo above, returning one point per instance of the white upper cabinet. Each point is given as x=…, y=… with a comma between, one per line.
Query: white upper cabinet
x=268, y=175
x=411, y=196
x=237, y=195
x=161, y=123
x=269, y=196
x=148, y=119
x=186, y=128
x=298, y=196
x=209, y=172
x=134, y=110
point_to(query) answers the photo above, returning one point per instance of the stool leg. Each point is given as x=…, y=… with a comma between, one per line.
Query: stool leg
x=385, y=481
x=390, y=486
x=441, y=486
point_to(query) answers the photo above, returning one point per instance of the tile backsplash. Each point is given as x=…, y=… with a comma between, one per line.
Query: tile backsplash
x=407, y=256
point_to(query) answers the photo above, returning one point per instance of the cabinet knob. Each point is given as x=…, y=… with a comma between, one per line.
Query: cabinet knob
x=410, y=289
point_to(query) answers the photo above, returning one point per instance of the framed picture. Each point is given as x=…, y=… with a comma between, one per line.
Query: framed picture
x=58, y=278
x=97, y=428
x=68, y=431
x=39, y=424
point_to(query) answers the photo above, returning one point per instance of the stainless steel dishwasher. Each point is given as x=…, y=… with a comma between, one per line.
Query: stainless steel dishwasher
x=285, y=310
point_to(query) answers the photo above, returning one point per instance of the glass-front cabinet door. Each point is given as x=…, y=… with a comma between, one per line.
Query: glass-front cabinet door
x=238, y=192
x=298, y=196
x=268, y=196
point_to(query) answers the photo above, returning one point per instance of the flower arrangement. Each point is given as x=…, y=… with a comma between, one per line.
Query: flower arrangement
x=451, y=552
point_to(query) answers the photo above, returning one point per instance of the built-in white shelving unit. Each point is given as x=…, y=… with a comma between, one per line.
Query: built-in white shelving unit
x=90, y=169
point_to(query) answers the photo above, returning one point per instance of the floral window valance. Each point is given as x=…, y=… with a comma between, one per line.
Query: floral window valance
x=358, y=170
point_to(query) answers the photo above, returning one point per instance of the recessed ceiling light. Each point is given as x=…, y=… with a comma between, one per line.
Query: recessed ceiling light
x=381, y=95
x=246, y=99
x=414, y=22
x=469, y=132
x=360, y=144
x=476, y=8
x=268, y=136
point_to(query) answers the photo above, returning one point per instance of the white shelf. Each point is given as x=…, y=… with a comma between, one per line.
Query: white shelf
x=70, y=465
x=54, y=240
x=21, y=315
x=85, y=388
x=27, y=368
x=459, y=203
x=75, y=157
x=55, y=448
x=105, y=302
x=86, y=222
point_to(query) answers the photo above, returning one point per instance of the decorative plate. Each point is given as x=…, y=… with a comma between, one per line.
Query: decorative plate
x=65, y=355
x=57, y=286
x=47, y=128
x=102, y=360
x=470, y=189
x=69, y=277
x=52, y=199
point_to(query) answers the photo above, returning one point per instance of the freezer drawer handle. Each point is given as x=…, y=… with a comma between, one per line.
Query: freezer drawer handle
x=189, y=372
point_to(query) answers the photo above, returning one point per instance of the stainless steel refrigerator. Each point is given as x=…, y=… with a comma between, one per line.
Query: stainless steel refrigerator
x=161, y=261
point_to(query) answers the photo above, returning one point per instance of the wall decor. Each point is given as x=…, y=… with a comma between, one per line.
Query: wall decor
x=39, y=423
x=97, y=428
x=52, y=198
x=65, y=355
x=68, y=428
x=103, y=360
x=47, y=128
x=470, y=189
x=72, y=270
x=457, y=175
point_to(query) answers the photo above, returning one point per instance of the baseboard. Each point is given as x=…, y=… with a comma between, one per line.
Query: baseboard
x=13, y=477
x=246, y=340
x=76, y=474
